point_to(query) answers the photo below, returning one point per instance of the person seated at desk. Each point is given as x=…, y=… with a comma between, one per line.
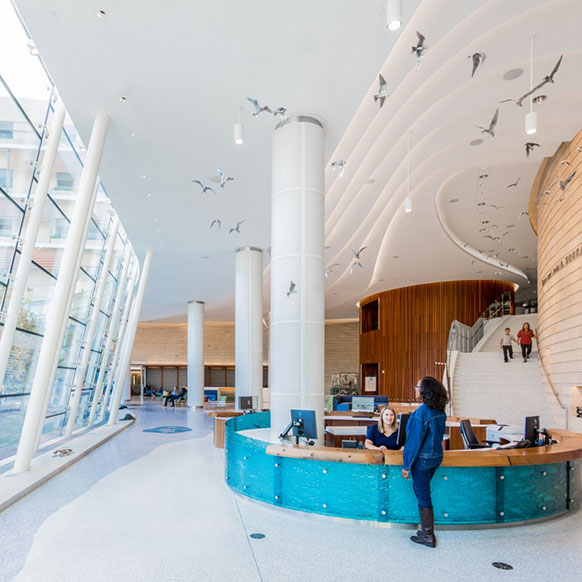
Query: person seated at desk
x=383, y=436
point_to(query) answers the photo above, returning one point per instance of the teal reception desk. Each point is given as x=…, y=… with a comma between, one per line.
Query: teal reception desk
x=493, y=487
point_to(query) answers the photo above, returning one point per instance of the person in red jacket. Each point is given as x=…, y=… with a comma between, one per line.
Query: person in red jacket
x=524, y=338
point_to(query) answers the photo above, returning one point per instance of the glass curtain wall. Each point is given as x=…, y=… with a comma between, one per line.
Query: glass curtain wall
x=27, y=98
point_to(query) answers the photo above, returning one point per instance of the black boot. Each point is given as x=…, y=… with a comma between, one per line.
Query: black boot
x=426, y=537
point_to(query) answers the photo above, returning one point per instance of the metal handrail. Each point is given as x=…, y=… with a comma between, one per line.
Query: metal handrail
x=464, y=338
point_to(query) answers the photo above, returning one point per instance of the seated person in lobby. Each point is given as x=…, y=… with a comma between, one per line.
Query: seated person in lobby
x=383, y=435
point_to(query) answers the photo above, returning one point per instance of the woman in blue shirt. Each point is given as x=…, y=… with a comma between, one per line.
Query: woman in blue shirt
x=423, y=451
x=383, y=435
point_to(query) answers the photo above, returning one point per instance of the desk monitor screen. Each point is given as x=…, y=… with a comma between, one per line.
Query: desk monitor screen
x=245, y=403
x=349, y=444
x=309, y=424
x=402, y=422
x=363, y=403
x=532, y=424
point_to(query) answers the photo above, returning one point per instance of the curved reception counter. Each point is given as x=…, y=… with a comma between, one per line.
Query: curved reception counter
x=474, y=487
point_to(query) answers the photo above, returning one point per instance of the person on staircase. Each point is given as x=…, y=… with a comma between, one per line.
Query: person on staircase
x=505, y=343
x=423, y=451
x=524, y=339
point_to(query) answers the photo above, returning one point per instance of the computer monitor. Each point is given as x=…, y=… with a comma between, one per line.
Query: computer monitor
x=245, y=403
x=308, y=428
x=530, y=433
x=401, y=435
x=349, y=444
x=362, y=403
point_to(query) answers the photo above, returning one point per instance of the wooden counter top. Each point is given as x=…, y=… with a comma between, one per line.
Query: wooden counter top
x=569, y=448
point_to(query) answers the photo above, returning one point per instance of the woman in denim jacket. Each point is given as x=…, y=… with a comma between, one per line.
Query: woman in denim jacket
x=423, y=451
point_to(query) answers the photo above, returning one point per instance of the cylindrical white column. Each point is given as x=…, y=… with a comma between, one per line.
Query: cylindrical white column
x=123, y=368
x=68, y=273
x=248, y=330
x=81, y=371
x=27, y=248
x=196, y=353
x=297, y=267
x=111, y=330
x=125, y=311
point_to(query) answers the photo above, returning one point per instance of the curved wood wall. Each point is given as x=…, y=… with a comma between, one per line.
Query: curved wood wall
x=557, y=217
x=413, y=327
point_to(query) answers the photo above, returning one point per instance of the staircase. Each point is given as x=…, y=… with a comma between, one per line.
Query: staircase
x=486, y=387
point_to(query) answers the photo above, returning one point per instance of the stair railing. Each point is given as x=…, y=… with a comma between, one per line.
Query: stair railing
x=464, y=338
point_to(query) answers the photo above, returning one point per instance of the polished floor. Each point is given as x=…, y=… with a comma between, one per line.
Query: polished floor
x=154, y=507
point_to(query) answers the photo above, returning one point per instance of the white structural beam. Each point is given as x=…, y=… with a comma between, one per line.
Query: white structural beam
x=110, y=336
x=248, y=331
x=123, y=368
x=66, y=280
x=196, y=354
x=124, y=315
x=297, y=267
x=30, y=235
x=80, y=373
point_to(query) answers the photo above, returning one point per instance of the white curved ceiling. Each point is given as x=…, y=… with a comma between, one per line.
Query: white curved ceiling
x=183, y=66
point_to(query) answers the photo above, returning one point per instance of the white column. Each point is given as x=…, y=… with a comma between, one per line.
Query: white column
x=297, y=247
x=196, y=353
x=80, y=373
x=123, y=368
x=126, y=310
x=29, y=243
x=110, y=333
x=248, y=324
x=67, y=278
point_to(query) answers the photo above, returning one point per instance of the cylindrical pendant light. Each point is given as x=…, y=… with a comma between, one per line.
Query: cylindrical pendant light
x=531, y=123
x=393, y=14
x=239, y=134
x=408, y=199
x=531, y=118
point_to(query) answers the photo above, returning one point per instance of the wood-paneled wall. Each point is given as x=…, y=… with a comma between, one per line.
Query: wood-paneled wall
x=558, y=221
x=413, y=329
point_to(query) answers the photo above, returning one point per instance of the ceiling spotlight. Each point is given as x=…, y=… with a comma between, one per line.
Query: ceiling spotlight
x=483, y=176
x=539, y=99
x=408, y=205
x=123, y=99
x=101, y=14
x=453, y=200
x=476, y=142
x=132, y=133
x=531, y=122
x=32, y=48
x=513, y=74
x=393, y=14
x=239, y=134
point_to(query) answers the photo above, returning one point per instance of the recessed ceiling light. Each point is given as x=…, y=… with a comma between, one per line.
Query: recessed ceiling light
x=481, y=204
x=513, y=74
x=149, y=195
x=539, y=99
x=144, y=176
x=371, y=181
x=483, y=176
x=484, y=222
x=155, y=219
x=453, y=200
x=328, y=247
x=510, y=226
x=132, y=133
x=101, y=14
x=380, y=279
x=396, y=257
x=476, y=142
x=123, y=99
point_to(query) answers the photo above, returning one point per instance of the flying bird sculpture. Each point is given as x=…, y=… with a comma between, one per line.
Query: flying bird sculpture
x=282, y=113
x=514, y=183
x=419, y=49
x=330, y=269
x=236, y=228
x=291, y=290
x=492, y=125
x=204, y=188
x=529, y=146
x=341, y=164
x=223, y=178
x=216, y=221
x=382, y=91
x=478, y=59
x=357, y=254
x=258, y=108
x=522, y=213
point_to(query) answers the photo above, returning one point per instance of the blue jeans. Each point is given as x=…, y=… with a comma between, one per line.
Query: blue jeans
x=422, y=472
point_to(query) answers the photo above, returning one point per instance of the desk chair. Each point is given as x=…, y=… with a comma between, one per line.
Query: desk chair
x=469, y=437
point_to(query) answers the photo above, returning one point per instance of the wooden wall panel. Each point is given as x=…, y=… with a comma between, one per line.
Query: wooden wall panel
x=558, y=220
x=413, y=329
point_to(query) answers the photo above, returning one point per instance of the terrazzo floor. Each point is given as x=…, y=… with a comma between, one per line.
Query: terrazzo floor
x=154, y=507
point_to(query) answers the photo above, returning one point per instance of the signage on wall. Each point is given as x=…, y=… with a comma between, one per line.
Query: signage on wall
x=565, y=261
x=370, y=384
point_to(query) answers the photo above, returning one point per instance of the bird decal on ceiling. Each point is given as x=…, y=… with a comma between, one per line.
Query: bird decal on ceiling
x=492, y=125
x=382, y=91
x=204, y=188
x=478, y=59
x=419, y=49
x=236, y=228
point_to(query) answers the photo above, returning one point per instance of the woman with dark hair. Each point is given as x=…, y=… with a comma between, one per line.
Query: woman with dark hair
x=423, y=451
x=524, y=338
